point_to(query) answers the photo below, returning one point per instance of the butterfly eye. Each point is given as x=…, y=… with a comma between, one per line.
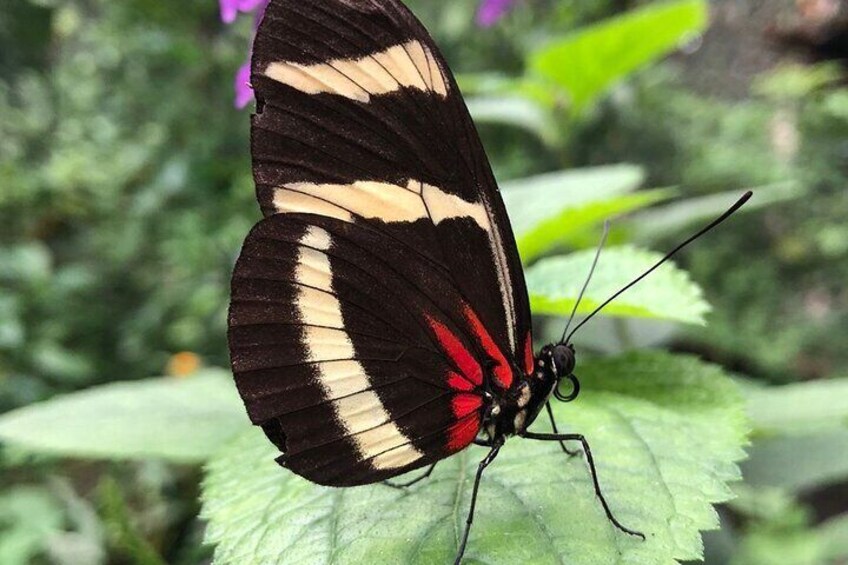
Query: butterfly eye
x=575, y=389
x=563, y=360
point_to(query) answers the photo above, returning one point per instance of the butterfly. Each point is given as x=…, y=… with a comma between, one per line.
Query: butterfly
x=379, y=318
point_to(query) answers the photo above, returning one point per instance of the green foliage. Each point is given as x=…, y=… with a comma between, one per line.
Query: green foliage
x=669, y=219
x=783, y=531
x=676, y=420
x=126, y=192
x=588, y=61
x=29, y=516
x=800, y=461
x=801, y=442
x=554, y=285
x=122, y=532
x=514, y=111
x=802, y=432
x=558, y=209
x=780, y=535
x=833, y=534
x=794, y=82
x=183, y=421
x=773, y=277
x=125, y=189
x=800, y=408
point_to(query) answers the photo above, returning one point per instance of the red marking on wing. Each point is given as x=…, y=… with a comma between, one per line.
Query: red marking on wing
x=465, y=404
x=458, y=382
x=503, y=374
x=461, y=434
x=461, y=357
x=528, y=355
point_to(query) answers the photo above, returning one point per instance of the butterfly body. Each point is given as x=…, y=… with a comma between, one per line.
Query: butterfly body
x=514, y=411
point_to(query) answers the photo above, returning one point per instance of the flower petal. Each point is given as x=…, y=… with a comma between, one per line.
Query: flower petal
x=250, y=5
x=491, y=11
x=244, y=92
x=229, y=10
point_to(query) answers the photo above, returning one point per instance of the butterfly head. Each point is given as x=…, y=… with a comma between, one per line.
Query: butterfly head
x=564, y=360
x=558, y=361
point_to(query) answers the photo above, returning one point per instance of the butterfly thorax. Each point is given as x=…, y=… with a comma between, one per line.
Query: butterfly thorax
x=513, y=412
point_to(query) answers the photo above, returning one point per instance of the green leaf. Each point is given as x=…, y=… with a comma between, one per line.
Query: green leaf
x=665, y=432
x=556, y=209
x=517, y=112
x=794, y=81
x=25, y=263
x=772, y=507
x=776, y=529
x=589, y=61
x=183, y=421
x=496, y=84
x=798, y=462
x=554, y=285
x=834, y=536
x=124, y=532
x=800, y=408
x=675, y=216
x=29, y=517
x=572, y=188
x=777, y=547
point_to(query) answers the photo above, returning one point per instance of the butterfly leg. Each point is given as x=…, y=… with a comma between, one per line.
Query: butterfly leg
x=556, y=431
x=496, y=447
x=585, y=444
x=413, y=481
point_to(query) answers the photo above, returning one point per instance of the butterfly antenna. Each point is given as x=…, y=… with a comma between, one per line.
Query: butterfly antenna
x=588, y=278
x=739, y=203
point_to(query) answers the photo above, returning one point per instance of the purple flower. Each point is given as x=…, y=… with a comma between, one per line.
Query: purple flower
x=229, y=11
x=231, y=8
x=244, y=92
x=491, y=11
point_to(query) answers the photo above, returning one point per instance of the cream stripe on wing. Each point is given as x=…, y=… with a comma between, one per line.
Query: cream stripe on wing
x=290, y=201
x=397, y=457
x=345, y=382
x=315, y=79
x=409, y=65
x=444, y=206
x=504, y=275
x=387, y=202
x=394, y=203
x=344, y=378
x=378, y=201
x=318, y=308
x=314, y=269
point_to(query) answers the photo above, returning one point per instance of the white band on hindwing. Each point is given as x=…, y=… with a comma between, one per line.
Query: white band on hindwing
x=358, y=409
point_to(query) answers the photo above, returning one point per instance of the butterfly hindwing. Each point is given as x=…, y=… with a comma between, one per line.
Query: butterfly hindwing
x=340, y=355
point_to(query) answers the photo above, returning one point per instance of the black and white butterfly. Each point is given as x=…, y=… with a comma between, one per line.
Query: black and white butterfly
x=379, y=319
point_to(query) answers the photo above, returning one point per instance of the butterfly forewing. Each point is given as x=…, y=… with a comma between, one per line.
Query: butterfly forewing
x=385, y=280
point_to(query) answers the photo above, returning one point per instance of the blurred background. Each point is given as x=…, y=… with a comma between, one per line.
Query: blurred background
x=126, y=191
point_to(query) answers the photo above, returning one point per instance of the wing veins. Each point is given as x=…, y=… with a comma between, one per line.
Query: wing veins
x=390, y=420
